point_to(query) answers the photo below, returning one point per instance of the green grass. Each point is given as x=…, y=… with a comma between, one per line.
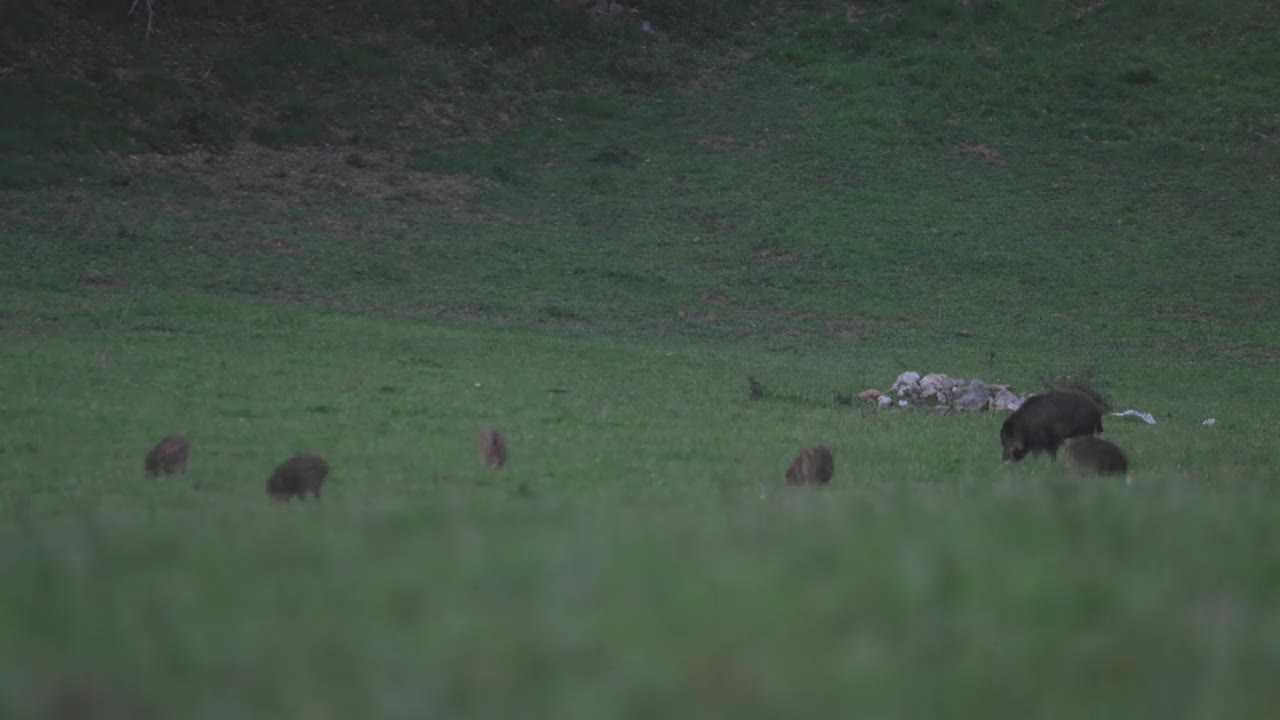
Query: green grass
x=638, y=556
x=1004, y=190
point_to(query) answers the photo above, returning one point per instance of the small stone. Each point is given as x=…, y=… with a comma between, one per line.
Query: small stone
x=902, y=403
x=884, y=401
x=1209, y=421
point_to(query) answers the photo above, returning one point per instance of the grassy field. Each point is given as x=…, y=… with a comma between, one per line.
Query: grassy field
x=373, y=246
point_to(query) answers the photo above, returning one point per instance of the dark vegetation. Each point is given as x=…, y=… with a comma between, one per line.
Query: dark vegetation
x=780, y=148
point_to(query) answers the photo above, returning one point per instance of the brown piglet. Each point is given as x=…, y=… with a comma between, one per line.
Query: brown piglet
x=814, y=466
x=169, y=456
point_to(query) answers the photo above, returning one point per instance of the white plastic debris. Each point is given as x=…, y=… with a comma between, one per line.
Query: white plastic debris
x=1209, y=421
x=1145, y=417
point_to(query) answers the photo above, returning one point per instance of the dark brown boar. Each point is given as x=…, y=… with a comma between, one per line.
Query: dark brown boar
x=1044, y=421
x=301, y=474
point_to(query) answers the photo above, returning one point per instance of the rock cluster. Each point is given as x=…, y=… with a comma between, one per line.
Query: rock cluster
x=946, y=393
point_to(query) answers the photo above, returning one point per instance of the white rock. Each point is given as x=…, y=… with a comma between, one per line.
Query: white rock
x=902, y=403
x=1145, y=417
x=936, y=383
x=908, y=383
x=975, y=397
x=1006, y=399
x=884, y=400
x=1209, y=421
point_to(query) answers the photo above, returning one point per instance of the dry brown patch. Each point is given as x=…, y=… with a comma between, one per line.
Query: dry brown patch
x=720, y=679
x=711, y=221
x=1088, y=7
x=842, y=332
x=800, y=315
x=1253, y=299
x=715, y=298
x=1192, y=314
x=11, y=215
x=233, y=236
x=718, y=142
x=850, y=326
x=76, y=698
x=101, y=281
x=772, y=256
x=985, y=152
x=698, y=317
x=284, y=293
x=300, y=172
x=716, y=77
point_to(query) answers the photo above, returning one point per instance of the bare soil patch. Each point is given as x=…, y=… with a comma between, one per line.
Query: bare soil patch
x=851, y=326
x=1191, y=314
x=718, y=142
x=712, y=222
x=985, y=152
x=697, y=317
x=772, y=256
x=298, y=172
x=1253, y=299
x=102, y=282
